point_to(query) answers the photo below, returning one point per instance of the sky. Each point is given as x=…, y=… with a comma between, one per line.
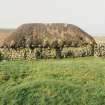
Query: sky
x=87, y=14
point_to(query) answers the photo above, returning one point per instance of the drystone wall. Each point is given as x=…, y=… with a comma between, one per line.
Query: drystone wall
x=46, y=53
x=99, y=49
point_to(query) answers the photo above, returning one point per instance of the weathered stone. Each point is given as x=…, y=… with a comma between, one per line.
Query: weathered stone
x=46, y=53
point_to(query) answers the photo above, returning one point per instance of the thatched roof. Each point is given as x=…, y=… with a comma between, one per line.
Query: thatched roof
x=52, y=35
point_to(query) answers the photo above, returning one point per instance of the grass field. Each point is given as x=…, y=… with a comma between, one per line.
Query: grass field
x=79, y=81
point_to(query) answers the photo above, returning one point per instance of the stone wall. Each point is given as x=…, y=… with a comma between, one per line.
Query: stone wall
x=99, y=49
x=46, y=53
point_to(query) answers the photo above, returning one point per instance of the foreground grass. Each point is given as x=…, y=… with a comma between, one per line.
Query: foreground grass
x=79, y=81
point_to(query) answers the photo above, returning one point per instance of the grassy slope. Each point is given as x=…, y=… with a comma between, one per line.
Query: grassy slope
x=100, y=38
x=79, y=81
x=4, y=33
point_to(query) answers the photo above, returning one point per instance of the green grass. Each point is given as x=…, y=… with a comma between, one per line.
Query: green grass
x=79, y=81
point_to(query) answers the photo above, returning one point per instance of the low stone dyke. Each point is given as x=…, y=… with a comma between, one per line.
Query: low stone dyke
x=46, y=53
x=99, y=50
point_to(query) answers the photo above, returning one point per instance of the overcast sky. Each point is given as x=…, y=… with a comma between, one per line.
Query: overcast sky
x=87, y=14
